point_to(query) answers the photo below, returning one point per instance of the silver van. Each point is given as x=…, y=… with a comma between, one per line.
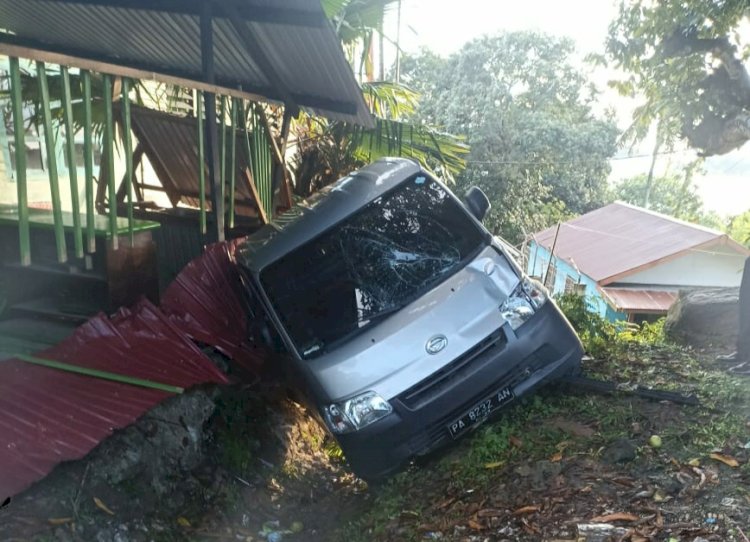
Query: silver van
x=401, y=319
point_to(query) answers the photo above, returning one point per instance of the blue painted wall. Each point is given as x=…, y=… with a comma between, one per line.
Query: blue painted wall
x=537, y=266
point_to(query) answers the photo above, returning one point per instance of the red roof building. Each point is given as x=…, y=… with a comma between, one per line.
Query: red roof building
x=632, y=261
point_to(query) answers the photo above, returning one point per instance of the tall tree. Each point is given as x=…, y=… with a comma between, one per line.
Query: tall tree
x=537, y=149
x=685, y=60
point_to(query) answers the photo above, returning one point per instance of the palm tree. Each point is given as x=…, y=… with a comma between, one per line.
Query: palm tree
x=327, y=150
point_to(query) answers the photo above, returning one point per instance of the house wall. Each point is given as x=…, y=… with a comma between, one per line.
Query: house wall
x=537, y=265
x=711, y=266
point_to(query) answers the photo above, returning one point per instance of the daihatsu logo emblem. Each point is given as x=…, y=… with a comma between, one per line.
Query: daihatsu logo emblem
x=436, y=344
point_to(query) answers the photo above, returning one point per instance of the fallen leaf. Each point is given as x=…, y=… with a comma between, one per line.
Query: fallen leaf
x=515, y=441
x=619, y=516
x=101, y=506
x=494, y=465
x=475, y=525
x=727, y=460
x=527, y=510
x=556, y=458
x=183, y=522
x=695, y=462
x=59, y=521
x=573, y=428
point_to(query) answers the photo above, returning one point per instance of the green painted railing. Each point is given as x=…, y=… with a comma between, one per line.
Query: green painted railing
x=70, y=148
x=201, y=163
x=109, y=156
x=88, y=161
x=20, y=147
x=128, y=147
x=49, y=141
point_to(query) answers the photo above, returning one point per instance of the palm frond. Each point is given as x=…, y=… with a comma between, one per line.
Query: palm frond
x=389, y=100
x=433, y=149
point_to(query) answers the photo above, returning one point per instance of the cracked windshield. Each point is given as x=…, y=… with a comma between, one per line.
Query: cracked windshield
x=375, y=270
x=371, y=264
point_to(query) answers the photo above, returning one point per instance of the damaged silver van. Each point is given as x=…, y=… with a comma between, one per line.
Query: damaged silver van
x=401, y=319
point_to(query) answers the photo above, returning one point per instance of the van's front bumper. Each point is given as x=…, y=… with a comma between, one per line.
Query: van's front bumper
x=541, y=350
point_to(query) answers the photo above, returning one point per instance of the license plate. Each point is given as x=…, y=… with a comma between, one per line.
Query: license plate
x=480, y=412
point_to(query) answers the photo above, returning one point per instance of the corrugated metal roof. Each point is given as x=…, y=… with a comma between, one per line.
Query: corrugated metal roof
x=171, y=145
x=631, y=300
x=48, y=415
x=618, y=239
x=298, y=54
x=206, y=300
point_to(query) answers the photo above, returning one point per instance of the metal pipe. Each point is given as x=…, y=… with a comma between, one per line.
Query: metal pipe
x=110, y=159
x=88, y=161
x=128, y=148
x=20, y=154
x=201, y=163
x=49, y=140
x=70, y=146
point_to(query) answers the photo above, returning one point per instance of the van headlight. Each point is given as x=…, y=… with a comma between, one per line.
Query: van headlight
x=356, y=413
x=523, y=302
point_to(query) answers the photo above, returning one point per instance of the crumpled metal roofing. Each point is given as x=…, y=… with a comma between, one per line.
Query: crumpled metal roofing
x=48, y=416
x=163, y=37
x=206, y=300
x=618, y=239
x=633, y=300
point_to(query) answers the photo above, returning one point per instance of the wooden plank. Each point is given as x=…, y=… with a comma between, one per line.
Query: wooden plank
x=254, y=191
x=51, y=57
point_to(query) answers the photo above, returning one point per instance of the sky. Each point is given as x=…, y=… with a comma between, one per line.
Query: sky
x=445, y=25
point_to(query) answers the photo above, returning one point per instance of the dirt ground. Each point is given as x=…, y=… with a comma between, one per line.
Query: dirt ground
x=561, y=466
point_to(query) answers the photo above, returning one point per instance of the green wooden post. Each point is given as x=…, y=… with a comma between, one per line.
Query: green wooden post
x=223, y=151
x=70, y=147
x=128, y=147
x=201, y=163
x=232, y=162
x=20, y=147
x=110, y=158
x=88, y=161
x=49, y=140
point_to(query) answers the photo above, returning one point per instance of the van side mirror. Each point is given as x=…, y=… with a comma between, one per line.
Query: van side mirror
x=477, y=202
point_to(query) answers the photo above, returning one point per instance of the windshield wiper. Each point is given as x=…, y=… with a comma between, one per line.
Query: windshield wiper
x=379, y=315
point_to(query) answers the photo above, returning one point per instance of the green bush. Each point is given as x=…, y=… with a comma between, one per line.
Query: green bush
x=600, y=337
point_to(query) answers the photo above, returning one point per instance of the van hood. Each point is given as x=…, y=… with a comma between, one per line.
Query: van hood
x=392, y=356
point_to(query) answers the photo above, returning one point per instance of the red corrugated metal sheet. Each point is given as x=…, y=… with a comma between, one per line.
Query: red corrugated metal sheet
x=626, y=299
x=206, y=300
x=619, y=238
x=48, y=416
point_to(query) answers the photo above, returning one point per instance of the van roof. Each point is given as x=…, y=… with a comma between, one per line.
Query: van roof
x=311, y=217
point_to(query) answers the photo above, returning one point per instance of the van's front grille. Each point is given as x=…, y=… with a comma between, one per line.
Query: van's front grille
x=437, y=382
